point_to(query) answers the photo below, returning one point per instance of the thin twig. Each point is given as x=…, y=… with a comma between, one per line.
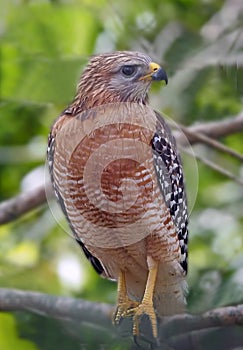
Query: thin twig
x=214, y=130
x=211, y=142
x=214, y=166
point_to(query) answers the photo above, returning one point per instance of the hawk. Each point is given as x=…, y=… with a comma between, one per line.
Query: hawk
x=118, y=178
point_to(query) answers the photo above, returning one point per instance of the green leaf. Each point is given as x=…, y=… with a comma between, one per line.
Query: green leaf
x=9, y=338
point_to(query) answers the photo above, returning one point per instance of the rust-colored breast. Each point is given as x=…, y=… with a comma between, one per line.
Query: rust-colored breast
x=109, y=182
x=103, y=168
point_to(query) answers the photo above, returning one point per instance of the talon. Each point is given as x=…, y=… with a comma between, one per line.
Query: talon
x=124, y=304
x=124, y=310
x=128, y=307
x=144, y=309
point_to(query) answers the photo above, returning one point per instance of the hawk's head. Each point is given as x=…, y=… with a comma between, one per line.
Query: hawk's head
x=120, y=76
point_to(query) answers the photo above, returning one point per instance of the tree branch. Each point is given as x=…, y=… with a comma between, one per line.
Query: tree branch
x=99, y=314
x=214, y=166
x=214, y=130
x=62, y=308
x=15, y=207
x=205, y=135
x=203, y=138
x=221, y=317
x=220, y=128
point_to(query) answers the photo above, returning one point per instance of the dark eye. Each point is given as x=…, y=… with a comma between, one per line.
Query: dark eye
x=128, y=71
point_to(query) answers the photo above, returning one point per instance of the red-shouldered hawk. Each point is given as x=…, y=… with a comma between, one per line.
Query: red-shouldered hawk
x=118, y=177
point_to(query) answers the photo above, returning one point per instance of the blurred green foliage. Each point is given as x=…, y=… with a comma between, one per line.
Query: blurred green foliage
x=43, y=47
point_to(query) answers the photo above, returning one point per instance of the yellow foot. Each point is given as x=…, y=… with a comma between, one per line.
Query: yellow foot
x=124, y=309
x=144, y=309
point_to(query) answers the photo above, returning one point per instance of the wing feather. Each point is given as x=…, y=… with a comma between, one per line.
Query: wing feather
x=51, y=159
x=168, y=167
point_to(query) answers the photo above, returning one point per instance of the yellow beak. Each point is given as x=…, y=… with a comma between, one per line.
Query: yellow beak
x=153, y=67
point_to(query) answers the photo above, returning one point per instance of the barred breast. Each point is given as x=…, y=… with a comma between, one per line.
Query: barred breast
x=104, y=173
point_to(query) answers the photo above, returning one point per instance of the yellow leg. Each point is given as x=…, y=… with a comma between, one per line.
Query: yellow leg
x=146, y=306
x=124, y=304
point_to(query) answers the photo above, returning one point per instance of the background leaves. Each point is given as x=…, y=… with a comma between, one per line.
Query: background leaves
x=44, y=45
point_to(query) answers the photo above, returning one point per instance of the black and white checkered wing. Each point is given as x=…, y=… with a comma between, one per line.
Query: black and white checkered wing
x=169, y=172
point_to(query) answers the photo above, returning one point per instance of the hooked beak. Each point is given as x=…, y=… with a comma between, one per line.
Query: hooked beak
x=155, y=72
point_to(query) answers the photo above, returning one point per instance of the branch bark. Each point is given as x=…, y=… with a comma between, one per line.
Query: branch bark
x=17, y=206
x=62, y=308
x=174, y=331
x=213, y=130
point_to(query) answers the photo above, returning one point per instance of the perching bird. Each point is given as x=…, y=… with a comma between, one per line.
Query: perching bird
x=118, y=177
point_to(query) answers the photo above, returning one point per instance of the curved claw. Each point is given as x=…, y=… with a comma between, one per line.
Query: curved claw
x=124, y=310
x=127, y=307
x=144, y=309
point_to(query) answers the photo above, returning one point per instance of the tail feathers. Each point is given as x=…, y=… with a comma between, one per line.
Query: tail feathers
x=170, y=299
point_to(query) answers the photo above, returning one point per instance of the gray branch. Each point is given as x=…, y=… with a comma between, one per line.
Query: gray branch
x=17, y=206
x=174, y=331
x=62, y=308
x=213, y=130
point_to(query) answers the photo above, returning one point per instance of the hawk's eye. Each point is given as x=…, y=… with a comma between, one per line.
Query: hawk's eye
x=128, y=71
